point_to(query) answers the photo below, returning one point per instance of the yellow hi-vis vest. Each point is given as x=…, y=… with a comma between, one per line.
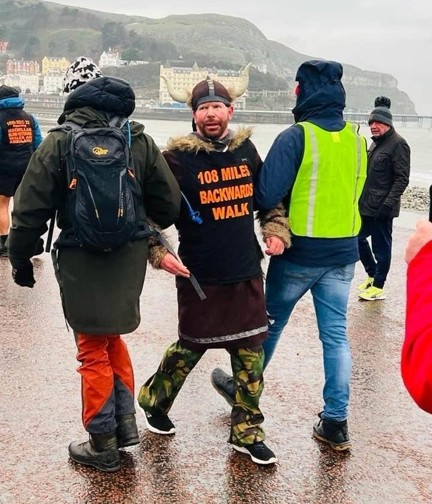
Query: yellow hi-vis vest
x=324, y=199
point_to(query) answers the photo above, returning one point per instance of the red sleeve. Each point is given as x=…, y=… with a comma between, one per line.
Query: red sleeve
x=416, y=363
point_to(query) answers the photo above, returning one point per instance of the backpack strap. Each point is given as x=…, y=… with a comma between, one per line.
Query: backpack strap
x=123, y=124
x=117, y=121
x=66, y=127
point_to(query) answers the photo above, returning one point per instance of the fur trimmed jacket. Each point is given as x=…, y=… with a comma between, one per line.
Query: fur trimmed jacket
x=221, y=192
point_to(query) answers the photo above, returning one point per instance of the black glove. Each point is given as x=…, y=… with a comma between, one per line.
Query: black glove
x=23, y=276
x=39, y=247
x=385, y=211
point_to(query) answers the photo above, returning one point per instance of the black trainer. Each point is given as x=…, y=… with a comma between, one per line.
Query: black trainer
x=224, y=385
x=332, y=432
x=127, y=431
x=258, y=452
x=159, y=423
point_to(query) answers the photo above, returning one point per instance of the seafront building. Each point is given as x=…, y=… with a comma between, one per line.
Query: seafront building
x=23, y=74
x=47, y=78
x=31, y=77
x=110, y=59
x=182, y=78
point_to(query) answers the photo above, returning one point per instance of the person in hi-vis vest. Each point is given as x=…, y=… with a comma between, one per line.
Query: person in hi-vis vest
x=318, y=168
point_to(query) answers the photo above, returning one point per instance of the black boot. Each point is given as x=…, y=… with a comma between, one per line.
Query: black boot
x=3, y=248
x=127, y=431
x=100, y=451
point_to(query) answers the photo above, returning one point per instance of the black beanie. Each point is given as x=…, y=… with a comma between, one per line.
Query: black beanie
x=8, y=92
x=381, y=115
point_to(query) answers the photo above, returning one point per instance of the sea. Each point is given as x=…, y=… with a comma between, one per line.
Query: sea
x=419, y=138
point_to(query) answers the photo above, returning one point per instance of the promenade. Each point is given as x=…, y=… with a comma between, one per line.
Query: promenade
x=390, y=462
x=53, y=107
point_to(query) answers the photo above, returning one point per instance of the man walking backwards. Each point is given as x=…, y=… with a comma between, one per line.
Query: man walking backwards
x=216, y=169
x=318, y=166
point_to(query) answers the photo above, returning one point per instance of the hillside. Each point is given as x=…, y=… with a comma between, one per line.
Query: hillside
x=35, y=29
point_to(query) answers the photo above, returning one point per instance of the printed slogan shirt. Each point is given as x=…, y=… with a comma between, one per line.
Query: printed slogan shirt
x=16, y=141
x=217, y=179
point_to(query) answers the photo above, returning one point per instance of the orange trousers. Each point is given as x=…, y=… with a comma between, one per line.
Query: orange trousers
x=107, y=381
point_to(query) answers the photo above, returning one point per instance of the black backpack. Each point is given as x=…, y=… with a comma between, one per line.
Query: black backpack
x=103, y=195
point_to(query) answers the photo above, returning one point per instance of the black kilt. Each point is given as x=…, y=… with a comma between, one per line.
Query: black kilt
x=232, y=316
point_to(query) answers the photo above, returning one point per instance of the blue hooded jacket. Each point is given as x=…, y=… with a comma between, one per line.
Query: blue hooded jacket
x=321, y=101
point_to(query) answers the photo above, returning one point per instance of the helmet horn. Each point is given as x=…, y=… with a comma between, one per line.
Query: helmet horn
x=180, y=96
x=241, y=87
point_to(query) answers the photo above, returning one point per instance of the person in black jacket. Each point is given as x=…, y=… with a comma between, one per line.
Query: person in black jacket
x=387, y=178
x=20, y=135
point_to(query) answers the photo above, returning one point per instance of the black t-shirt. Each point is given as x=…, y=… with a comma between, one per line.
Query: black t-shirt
x=219, y=186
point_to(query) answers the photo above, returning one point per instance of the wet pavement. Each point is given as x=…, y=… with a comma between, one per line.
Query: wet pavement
x=391, y=458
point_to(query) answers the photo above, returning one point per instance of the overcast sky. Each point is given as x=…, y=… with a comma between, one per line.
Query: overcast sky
x=388, y=36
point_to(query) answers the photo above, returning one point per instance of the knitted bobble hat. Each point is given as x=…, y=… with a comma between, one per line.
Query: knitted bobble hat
x=381, y=115
x=82, y=70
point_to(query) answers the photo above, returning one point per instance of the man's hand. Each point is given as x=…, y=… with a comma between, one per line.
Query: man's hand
x=23, y=276
x=385, y=211
x=275, y=246
x=174, y=266
x=418, y=240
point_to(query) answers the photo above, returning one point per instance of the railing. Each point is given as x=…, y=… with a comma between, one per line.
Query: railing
x=54, y=105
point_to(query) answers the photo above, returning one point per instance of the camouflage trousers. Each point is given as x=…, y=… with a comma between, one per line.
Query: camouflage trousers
x=160, y=390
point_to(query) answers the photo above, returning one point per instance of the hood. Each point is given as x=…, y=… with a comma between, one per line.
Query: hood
x=14, y=102
x=93, y=118
x=320, y=92
x=136, y=128
x=87, y=115
x=106, y=94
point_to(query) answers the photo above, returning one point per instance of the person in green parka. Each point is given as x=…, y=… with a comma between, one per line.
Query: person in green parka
x=100, y=292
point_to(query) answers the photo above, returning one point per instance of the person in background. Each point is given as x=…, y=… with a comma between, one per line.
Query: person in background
x=387, y=178
x=100, y=291
x=216, y=169
x=416, y=362
x=20, y=135
x=318, y=168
